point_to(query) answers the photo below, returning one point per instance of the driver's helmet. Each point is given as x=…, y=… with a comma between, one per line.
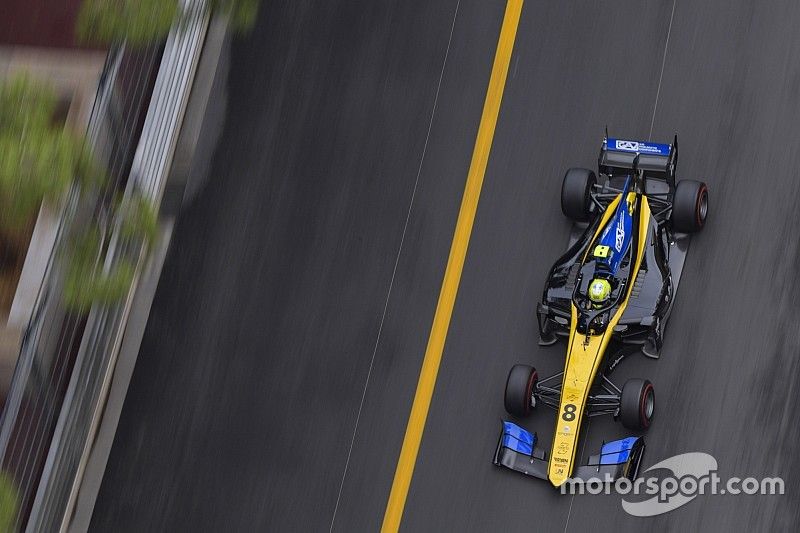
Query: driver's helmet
x=599, y=290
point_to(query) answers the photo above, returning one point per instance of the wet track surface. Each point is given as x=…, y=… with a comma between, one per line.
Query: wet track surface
x=326, y=225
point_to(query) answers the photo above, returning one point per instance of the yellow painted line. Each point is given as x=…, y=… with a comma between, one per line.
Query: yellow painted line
x=452, y=276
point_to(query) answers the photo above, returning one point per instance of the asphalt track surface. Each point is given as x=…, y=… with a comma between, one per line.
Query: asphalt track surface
x=311, y=265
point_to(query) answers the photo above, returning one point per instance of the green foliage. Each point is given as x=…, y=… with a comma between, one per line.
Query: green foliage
x=24, y=102
x=86, y=282
x=38, y=160
x=143, y=22
x=138, y=220
x=139, y=22
x=9, y=503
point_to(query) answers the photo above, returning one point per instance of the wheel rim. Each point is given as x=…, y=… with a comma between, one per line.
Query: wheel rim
x=702, y=206
x=587, y=200
x=530, y=402
x=649, y=404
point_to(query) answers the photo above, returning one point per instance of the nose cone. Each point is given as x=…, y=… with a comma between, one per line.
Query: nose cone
x=562, y=455
x=557, y=478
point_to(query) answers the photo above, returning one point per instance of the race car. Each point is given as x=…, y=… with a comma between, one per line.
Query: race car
x=615, y=285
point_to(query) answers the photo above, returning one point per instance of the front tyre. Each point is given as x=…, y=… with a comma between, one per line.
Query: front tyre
x=689, y=206
x=520, y=385
x=637, y=404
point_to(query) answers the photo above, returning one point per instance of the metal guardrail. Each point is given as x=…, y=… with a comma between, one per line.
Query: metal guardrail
x=103, y=335
x=52, y=338
x=66, y=360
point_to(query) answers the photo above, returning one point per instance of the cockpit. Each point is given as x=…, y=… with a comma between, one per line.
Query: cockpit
x=598, y=287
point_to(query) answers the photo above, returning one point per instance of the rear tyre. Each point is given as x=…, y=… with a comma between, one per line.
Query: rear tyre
x=520, y=385
x=689, y=206
x=637, y=404
x=576, y=193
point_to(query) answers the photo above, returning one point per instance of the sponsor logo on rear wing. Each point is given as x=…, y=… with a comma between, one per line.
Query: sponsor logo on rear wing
x=639, y=147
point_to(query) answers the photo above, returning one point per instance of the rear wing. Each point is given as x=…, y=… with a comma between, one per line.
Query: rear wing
x=654, y=159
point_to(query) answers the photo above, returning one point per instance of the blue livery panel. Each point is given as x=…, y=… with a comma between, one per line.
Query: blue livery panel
x=518, y=439
x=616, y=237
x=638, y=147
x=617, y=452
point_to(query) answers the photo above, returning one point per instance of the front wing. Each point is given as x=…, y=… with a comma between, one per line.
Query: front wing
x=517, y=450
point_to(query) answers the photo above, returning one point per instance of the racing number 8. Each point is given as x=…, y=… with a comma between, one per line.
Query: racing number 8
x=569, y=412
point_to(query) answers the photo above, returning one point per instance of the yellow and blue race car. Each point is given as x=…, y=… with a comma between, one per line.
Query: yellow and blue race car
x=615, y=285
